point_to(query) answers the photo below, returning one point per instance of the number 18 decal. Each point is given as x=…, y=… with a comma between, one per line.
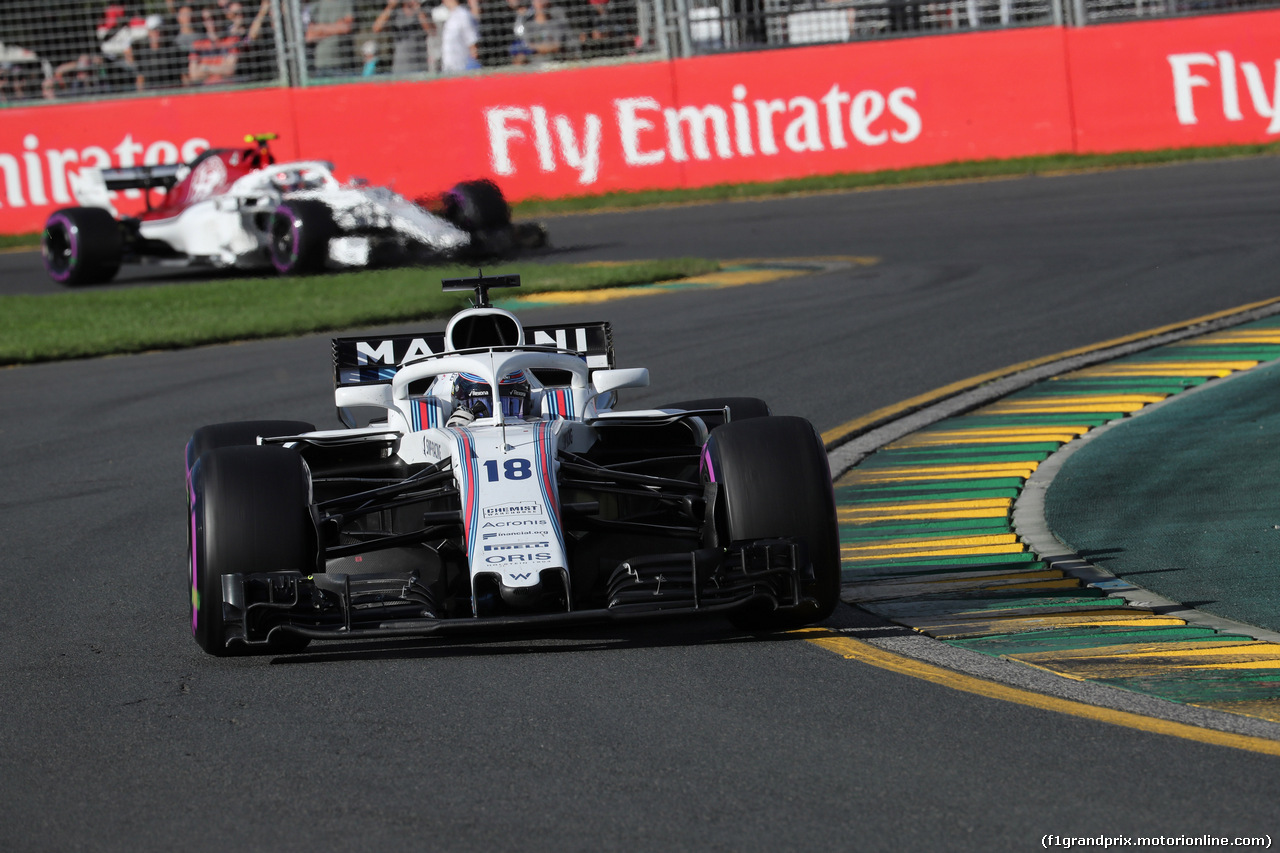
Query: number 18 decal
x=512, y=469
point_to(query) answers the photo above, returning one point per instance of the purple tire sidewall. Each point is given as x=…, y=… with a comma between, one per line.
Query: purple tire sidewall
x=284, y=269
x=455, y=198
x=69, y=228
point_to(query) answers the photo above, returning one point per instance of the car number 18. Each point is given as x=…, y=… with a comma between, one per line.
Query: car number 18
x=512, y=469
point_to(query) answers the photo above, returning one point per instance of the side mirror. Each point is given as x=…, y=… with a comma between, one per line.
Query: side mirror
x=364, y=395
x=604, y=381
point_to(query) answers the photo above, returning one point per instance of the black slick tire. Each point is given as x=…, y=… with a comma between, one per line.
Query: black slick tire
x=298, y=237
x=773, y=481
x=477, y=206
x=249, y=512
x=237, y=433
x=740, y=408
x=81, y=245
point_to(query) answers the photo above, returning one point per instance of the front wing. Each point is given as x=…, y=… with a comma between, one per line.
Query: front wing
x=761, y=574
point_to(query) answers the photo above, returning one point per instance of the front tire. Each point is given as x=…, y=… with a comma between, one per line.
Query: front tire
x=740, y=409
x=249, y=512
x=81, y=245
x=238, y=433
x=298, y=237
x=774, y=483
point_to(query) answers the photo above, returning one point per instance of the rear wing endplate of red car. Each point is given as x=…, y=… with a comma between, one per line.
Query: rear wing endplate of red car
x=374, y=360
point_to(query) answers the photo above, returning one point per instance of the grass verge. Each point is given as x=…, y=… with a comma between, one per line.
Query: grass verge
x=19, y=241
x=85, y=323
x=958, y=171
x=961, y=171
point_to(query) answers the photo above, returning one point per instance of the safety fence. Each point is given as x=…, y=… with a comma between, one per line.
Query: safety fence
x=80, y=49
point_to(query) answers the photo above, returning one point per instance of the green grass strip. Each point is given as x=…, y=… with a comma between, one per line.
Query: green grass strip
x=1084, y=638
x=958, y=171
x=888, y=568
x=854, y=532
x=868, y=536
x=1214, y=353
x=1237, y=685
x=1008, y=487
x=979, y=421
x=907, y=459
x=19, y=241
x=83, y=323
x=941, y=607
x=1019, y=167
x=1105, y=385
x=1222, y=352
x=960, y=450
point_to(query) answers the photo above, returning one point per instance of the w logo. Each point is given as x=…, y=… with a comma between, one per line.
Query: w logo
x=522, y=576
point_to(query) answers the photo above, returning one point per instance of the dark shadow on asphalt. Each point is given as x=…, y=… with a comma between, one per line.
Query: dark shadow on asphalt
x=1100, y=553
x=686, y=631
x=1155, y=571
x=709, y=632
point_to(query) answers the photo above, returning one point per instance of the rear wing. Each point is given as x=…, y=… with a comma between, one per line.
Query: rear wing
x=141, y=177
x=372, y=361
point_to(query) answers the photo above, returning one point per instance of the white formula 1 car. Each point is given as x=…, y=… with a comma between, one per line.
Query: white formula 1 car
x=497, y=486
x=238, y=208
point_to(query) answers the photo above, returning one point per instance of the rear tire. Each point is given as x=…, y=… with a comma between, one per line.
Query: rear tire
x=740, y=408
x=477, y=206
x=249, y=512
x=773, y=483
x=298, y=237
x=81, y=245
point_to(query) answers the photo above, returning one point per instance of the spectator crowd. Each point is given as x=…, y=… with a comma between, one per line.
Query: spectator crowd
x=87, y=49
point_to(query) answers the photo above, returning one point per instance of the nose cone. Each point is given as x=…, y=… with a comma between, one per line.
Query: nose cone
x=522, y=597
x=546, y=591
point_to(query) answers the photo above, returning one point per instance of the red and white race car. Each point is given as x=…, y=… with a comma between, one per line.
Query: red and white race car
x=238, y=208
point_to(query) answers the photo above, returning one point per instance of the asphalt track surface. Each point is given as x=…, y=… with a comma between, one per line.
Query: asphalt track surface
x=121, y=735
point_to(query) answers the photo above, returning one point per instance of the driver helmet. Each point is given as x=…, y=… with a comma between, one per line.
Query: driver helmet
x=295, y=180
x=472, y=393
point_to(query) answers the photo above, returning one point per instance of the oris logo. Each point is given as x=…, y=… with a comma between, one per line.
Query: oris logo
x=493, y=559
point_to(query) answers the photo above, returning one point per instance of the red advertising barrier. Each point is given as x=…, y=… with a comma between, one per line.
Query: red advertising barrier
x=731, y=118
x=540, y=134
x=1178, y=83
x=726, y=119
x=42, y=148
x=866, y=107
